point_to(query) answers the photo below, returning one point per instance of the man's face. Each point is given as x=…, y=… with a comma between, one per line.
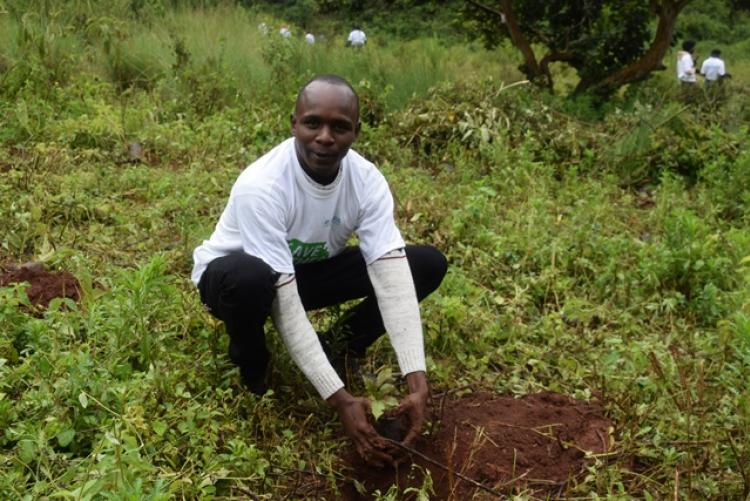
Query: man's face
x=324, y=124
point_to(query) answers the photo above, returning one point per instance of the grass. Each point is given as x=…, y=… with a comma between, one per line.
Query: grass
x=564, y=275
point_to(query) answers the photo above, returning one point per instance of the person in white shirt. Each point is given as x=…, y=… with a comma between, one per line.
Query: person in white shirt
x=713, y=68
x=685, y=64
x=309, y=38
x=281, y=247
x=357, y=38
x=284, y=32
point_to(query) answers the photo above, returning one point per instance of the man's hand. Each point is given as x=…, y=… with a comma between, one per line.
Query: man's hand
x=414, y=405
x=353, y=413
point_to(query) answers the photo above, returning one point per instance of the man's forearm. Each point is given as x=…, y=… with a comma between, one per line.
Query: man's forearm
x=397, y=299
x=300, y=338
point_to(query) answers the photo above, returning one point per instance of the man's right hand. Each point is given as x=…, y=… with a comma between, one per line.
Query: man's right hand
x=353, y=413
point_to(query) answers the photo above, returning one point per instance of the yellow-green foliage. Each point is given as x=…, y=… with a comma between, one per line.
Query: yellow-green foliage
x=593, y=251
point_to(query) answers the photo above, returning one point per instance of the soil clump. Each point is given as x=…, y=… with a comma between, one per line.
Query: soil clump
x=44, y=285
x=534, y=444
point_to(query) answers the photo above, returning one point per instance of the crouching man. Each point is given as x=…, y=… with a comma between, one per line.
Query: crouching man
x=279, y=249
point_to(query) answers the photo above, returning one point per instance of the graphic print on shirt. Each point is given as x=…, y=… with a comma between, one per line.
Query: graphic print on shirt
x=303, y=252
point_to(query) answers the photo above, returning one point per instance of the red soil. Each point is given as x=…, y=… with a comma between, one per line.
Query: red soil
x=43, y=285
x=534, y=444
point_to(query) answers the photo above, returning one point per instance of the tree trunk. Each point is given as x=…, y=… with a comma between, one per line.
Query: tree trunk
x=667, y=10
x=531, y=67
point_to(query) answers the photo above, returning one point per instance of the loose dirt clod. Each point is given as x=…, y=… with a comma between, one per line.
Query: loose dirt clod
x=43, y=285
x=536, y=443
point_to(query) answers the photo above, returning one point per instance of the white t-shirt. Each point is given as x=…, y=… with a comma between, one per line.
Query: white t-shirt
x=357, y=38
x=277, y=213
x=310, y=38
x=685, y=67
x=284, y=32
x=712, y=68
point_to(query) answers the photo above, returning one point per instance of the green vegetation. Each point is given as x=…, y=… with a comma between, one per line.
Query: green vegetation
x=595, y=251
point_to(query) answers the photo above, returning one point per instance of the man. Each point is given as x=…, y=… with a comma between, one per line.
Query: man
x=713, y=68
x=309, y=39
x=279, y=249
x=685, y=64
x=357, y=38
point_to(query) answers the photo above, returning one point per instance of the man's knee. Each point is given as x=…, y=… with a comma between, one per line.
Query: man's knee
x=428, y=267
x=241, y=278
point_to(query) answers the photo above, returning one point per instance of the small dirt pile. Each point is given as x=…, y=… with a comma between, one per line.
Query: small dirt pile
x=43, y=285
x=535, y=443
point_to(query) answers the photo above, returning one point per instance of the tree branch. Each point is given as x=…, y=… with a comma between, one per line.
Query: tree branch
x=667, y=10
x=516, y=35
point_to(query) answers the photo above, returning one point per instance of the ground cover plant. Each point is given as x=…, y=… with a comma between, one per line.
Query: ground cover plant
x=599, y=253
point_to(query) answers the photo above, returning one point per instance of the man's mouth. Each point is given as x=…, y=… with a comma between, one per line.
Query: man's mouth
x=323, y=156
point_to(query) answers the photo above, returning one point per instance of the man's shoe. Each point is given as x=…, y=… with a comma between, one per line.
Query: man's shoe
x=256, y=384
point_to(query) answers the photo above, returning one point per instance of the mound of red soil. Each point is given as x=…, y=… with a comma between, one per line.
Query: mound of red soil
x=43, y=285
x=536, y=443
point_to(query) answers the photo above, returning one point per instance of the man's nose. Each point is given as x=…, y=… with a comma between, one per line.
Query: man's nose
x=324, y=135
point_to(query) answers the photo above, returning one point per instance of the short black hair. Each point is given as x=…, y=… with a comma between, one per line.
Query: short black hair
x=715, y=53
x=331, y=79
x=688, y=45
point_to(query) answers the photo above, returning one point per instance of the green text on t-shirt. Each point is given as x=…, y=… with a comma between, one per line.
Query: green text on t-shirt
x=303, y=252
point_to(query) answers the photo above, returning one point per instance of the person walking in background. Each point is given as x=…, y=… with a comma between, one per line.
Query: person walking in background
x=685, y=64
x=309, y=38
x=713, y=68
x=357, y=38
x=284, y=32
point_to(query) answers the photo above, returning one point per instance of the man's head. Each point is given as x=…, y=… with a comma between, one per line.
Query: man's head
x=688, y=45
x=325, y=123
x=716, y=53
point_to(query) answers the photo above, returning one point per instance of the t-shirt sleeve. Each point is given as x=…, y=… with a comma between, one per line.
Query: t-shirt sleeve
x=377, y=231
x=262, y=227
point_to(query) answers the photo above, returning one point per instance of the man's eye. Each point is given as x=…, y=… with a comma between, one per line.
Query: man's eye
x=313, y=124
x=341, y=127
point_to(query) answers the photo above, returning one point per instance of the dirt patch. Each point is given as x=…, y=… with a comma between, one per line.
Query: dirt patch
x=534, y=444
x=43, y=285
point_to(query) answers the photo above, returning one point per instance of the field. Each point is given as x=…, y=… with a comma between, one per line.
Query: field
x=602, y=253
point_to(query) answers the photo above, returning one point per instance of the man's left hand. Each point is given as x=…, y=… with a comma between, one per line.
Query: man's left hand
x=414, y=405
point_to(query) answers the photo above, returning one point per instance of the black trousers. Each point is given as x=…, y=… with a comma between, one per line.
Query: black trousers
x=239, y=290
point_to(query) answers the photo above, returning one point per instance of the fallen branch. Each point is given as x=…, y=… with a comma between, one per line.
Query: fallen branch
x=473, y=482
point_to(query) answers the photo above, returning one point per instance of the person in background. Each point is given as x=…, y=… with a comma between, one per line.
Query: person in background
x=309, y=38
x=263, y=28
x=284, y=32
x=357, y=38
x=685, y=64
x=713, y=68
x=281, y=247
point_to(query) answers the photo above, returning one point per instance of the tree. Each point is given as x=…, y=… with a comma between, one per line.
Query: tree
x=608, y=42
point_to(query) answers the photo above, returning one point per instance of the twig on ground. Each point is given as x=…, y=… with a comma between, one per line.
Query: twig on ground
x=743, y=473
x=470, y=480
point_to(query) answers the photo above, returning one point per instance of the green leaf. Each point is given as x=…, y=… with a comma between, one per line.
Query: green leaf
x=83, y=399
x=65, y=437
x=378, y=407
x=26, y=450
x=159, y=427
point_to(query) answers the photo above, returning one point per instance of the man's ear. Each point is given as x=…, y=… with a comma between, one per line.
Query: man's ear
x=356, y=128
x=292, y=122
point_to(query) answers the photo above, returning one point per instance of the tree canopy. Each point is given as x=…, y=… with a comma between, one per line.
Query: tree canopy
x=608, y=42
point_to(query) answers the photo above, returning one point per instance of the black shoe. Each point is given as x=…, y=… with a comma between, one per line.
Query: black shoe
x=255, y=383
